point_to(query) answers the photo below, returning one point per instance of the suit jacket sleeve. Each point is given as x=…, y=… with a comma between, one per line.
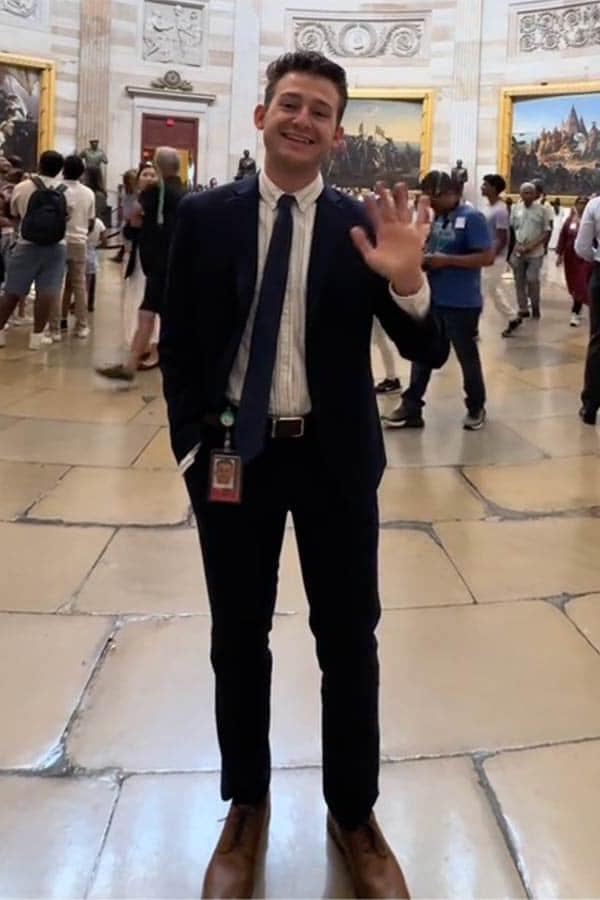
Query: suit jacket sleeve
x=420, y=340
x=180, y=354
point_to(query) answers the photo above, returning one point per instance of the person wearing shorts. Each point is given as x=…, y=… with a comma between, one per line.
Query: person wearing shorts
x=31, y=263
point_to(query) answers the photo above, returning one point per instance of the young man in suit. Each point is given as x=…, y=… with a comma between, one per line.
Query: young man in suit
x=273, y=284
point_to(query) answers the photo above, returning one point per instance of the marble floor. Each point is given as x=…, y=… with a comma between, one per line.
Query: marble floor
x=490, y=640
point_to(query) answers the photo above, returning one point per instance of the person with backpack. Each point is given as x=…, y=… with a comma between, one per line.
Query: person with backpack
x=40, y=206
x=81, y=221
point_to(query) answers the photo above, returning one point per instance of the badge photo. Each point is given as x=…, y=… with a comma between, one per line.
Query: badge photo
x=225, y=478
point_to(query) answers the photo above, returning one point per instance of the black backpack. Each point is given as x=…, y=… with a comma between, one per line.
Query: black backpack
x=45, y=221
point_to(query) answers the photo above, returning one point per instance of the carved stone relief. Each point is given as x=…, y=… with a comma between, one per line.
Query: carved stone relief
x=174, y=32
x=575, y=26
x=356, y=39
x=172, y=81
x=17, y=12
x=24, y=9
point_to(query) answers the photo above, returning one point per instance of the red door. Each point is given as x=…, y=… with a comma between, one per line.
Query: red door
x=169, y=131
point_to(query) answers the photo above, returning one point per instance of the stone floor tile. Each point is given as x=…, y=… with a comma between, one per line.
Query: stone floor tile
x=151, y=705
x=415, y=571
x=148, y=571
x=585, y=612
x=158, y=453
x=116, y=497
x=7, y=421
x=444, y=443
x=537, y=354
x=64, y=557
x=154, y=413
x=567, y=376
x=23, y=484
x=550, y=799
x=73, y=443
x=165, y=828
x=484, y=678
x=436, y=810
x=45, y=663
x=559, y=435
x=515, y=560
x=428, y=495
x=550, y=485
x=51, y=832
x=67, y=405
x=11, y=393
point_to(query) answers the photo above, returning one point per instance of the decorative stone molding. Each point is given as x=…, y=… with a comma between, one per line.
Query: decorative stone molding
x=360, y=38
x=559, y=28
x=174, y=32
x=167, y=94
x=24, y=12
x=172, y=81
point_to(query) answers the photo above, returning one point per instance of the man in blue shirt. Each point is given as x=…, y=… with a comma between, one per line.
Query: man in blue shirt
x=457, y=248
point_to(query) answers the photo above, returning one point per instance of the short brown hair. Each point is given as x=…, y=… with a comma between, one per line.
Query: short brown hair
x=311, y=64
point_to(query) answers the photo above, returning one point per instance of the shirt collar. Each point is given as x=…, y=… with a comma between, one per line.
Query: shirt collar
x=270, y=193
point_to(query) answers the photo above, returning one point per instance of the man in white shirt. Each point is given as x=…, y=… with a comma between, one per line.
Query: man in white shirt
x=587, y=245
x=265, y=351
x=532, y=223
x=497, y=218
x=39, y=254
x=82, y=206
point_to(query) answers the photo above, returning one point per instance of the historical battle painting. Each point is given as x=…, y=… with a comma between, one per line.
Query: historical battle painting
x=556, y=138
x=385, y=139
x=24, y=108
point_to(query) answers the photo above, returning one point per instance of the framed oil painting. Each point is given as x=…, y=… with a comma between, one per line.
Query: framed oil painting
x=387, y=137
x=26, y=107
x=552, y=132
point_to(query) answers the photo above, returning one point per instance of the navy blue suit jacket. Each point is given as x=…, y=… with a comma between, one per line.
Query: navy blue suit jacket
x=211, y=284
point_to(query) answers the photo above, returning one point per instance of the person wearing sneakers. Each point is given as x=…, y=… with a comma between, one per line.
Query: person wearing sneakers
x=390, y=383
x=577, y=271
x=532, y=223
x=81, y=221
x=496, y=216
x=41, y=208
x=457, y=248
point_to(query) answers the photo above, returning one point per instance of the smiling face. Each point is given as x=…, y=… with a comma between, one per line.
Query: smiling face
x=299, y=126
x=147, y=178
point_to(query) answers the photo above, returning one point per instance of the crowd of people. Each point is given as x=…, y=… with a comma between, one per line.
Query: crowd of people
x=267, y=289
x=470, y=255
x=52, y=226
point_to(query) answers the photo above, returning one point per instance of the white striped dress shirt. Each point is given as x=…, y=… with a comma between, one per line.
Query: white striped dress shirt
x=289, y=390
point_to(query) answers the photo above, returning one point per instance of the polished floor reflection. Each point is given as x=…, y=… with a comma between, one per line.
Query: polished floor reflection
x=490, y=640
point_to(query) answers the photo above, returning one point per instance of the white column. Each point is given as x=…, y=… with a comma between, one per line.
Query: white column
x=244, y=81
x=94, y=72
x=465, y=89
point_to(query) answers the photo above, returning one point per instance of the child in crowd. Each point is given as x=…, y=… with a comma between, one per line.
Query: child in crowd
x=96, y=238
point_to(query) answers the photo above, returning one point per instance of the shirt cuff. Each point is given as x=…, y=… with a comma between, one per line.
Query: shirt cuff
x=416, y=305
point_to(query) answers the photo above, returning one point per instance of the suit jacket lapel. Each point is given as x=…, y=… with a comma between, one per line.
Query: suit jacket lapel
x=245, y=237
x=327, y=231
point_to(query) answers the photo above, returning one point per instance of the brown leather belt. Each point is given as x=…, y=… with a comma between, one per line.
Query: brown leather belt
x=278, y=427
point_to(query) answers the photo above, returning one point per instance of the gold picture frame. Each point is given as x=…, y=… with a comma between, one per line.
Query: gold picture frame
x=387, y=136
x=27, y=122
x=567, y=170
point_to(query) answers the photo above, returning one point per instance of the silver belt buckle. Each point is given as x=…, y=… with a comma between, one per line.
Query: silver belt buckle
x=276, y=420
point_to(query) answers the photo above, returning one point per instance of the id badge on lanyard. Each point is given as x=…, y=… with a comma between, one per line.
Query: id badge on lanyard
x=225, y=468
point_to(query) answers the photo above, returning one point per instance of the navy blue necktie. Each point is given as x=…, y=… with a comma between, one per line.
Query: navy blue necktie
x=251, y=421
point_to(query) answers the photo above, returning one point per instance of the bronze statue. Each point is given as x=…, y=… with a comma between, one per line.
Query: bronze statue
x=94, y=157
x=246, y=166
x=459, y=173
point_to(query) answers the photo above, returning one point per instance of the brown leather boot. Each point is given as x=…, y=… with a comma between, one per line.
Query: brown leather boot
x=232, y=867
x=374, y=869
